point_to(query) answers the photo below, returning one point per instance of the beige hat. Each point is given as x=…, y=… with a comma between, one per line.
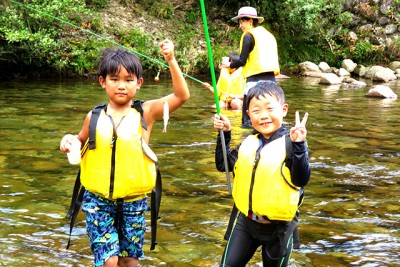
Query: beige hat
x=247, y=12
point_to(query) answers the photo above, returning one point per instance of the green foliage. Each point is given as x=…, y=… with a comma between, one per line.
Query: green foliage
x=161, y=10
x=394, y=49
x=56, y=34
x=295, y=50
x=142, y=44
x=97, y=4
x=37, y=34
x=364, y=52
x=193, y=15
x=156, y=8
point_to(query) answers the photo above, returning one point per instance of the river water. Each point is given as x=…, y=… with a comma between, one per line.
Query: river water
x=350, y=215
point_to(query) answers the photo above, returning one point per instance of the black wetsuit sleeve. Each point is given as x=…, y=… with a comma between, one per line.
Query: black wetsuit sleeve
x=232, y=155
x=247, y=47
x=300, y=171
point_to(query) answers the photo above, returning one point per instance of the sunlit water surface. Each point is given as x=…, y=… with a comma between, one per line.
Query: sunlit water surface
x=350, y=216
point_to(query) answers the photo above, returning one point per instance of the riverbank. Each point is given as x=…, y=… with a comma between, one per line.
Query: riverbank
x=65, y=41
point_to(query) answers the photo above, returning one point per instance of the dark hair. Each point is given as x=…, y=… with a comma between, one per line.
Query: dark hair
x=255, y=21
x=266, y=88
x=234, y=57
x=112, y=59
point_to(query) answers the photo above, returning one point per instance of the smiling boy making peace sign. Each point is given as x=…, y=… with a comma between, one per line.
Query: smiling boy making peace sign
x=267, y=188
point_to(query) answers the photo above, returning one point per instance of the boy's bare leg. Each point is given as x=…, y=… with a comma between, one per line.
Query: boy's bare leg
x=111, y=262
x=128, y=262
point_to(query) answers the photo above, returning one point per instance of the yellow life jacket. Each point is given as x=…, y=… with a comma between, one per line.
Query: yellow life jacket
x=222, y=84
x=121, y=165
x=262, y=182
x=230, y=83
x=237, y=82
x=264, y=56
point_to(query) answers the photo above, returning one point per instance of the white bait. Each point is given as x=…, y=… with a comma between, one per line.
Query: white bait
x=165, y=116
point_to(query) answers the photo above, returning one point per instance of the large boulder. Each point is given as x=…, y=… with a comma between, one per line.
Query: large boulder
x=312, y=74
x=385, y=75
x=349, y=65
x=308, y=66
x=342, y=72
x=330, y=78
x=360, y=70
x=324, y=67
x=394, y=65
x=381, y=91
x=370, y=73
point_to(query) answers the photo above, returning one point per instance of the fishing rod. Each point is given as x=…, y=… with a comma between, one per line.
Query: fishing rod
x=210, y=59
x=100, y=37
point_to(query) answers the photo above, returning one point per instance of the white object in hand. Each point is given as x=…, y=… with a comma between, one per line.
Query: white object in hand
x=74, y=154
x=225, y=60
x=165, y=116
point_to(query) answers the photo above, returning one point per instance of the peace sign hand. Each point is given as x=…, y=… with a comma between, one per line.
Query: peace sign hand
x=298, y=133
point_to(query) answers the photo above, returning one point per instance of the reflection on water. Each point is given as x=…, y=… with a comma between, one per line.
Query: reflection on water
x=350, y=216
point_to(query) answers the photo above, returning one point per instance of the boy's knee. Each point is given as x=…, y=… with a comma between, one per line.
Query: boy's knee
x=111, y=262
x=128, y=262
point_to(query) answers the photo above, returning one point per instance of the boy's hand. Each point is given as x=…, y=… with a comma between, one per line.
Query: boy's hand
x=298, y=133
x=221, y=122
x=224, y=65
x=167, y=49
x=207, y=85
x=66, y=142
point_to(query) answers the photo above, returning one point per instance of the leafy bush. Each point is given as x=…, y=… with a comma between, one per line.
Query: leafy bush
x=36, y=32
x=364, y=52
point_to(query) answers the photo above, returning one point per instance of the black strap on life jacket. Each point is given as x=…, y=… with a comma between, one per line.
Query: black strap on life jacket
x=136, y=104
x=79, y=190
x=155, y=208
x=93, y=123
x=76, y=202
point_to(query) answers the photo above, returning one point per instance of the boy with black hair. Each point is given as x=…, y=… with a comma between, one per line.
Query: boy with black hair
x=119, y=169
x=266, y=192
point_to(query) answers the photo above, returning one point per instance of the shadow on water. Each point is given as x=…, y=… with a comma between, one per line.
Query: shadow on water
x=350, y=216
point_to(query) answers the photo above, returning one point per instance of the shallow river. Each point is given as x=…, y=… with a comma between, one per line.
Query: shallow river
x=350, y=216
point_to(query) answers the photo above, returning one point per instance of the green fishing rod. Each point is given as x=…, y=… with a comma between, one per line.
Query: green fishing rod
x=99, y=36
x=214, y=83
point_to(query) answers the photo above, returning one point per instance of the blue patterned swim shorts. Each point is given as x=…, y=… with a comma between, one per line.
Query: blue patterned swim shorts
x=101, y=214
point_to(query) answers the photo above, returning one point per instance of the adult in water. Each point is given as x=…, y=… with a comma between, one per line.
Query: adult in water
x=258, y=54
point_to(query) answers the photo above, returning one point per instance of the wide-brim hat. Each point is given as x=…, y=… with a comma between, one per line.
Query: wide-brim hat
x=247, y=12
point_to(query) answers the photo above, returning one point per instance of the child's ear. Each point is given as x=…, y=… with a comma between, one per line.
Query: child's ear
x=285, y=109
x=140, y=82
x=102, y=81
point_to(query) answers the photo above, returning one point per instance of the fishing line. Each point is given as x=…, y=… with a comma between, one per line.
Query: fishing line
x=100, y=37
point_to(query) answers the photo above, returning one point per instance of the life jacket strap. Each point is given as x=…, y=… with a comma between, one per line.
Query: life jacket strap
x=155, y=208
x=93, y=123
x=119, y=217
x=136, y=104
x=75, y=205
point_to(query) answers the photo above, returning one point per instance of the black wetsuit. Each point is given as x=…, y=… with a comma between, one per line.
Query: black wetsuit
x=247, y=235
